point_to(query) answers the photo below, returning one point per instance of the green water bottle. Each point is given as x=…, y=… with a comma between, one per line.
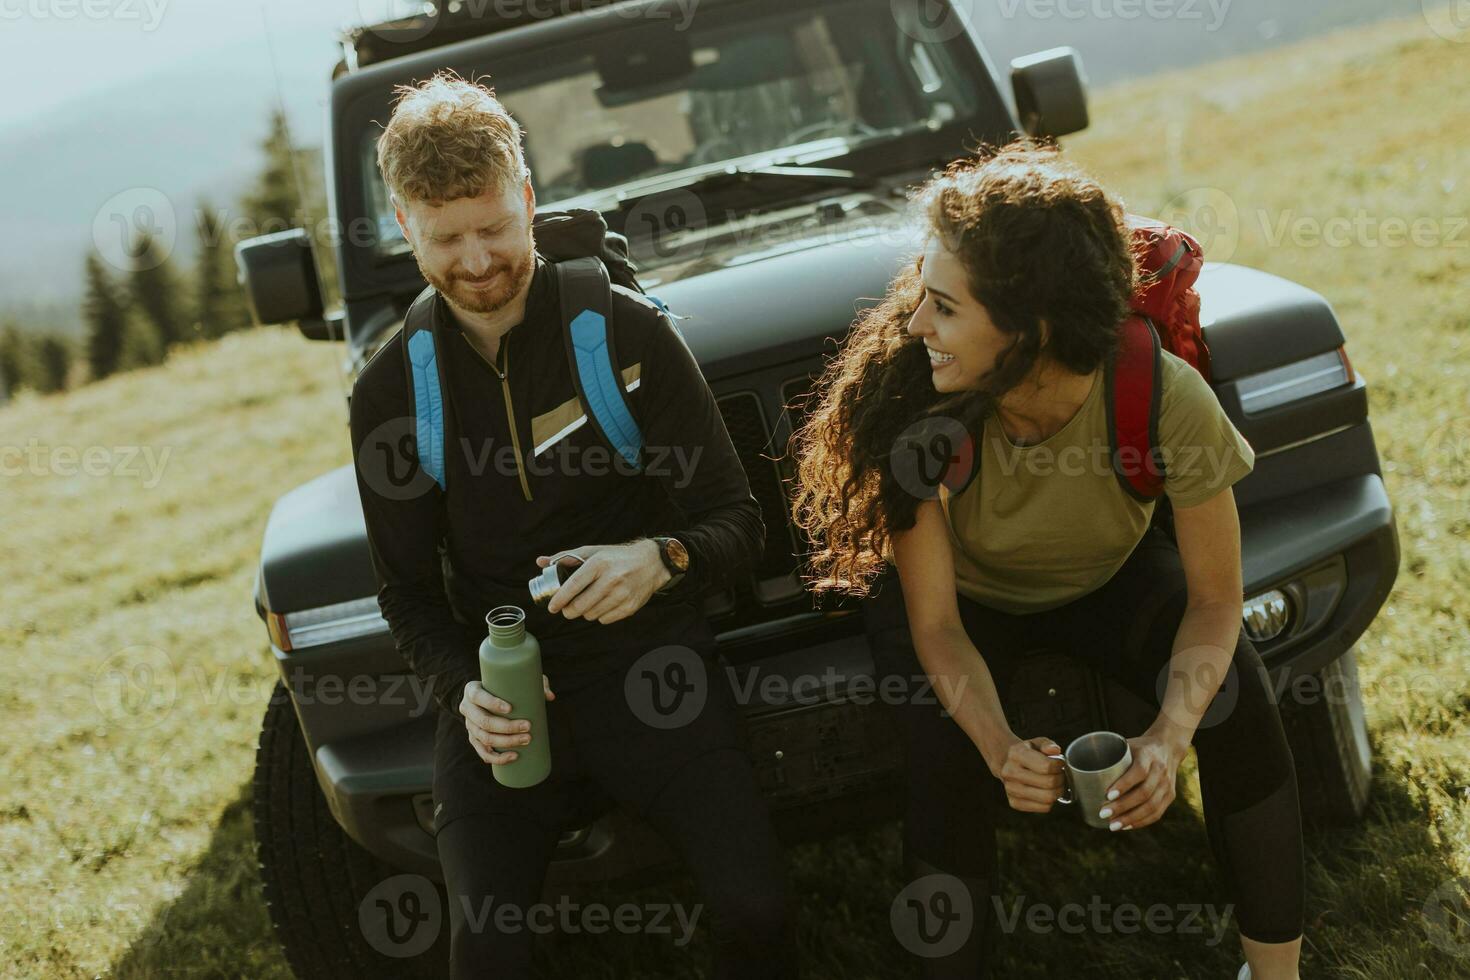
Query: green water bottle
x=510, y=669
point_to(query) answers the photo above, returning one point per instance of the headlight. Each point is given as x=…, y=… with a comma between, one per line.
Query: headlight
x=1291, y=382
x=326, y=624
x=1266, y=616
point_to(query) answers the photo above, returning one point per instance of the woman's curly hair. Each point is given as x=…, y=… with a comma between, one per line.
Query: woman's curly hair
x=1041, y=242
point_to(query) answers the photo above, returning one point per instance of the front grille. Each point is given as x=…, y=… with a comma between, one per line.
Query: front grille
x=754, y=444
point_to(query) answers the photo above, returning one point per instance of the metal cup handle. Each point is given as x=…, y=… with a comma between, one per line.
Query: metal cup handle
x=564, y=554
x=1067, y=776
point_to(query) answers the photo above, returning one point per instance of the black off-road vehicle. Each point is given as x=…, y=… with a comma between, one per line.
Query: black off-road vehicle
x=755, y=153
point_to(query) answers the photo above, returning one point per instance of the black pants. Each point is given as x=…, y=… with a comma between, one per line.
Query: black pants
x=685, y=773
x=1125, y=629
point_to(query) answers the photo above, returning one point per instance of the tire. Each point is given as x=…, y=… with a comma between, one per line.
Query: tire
x=1329, y=740
x=315, y=878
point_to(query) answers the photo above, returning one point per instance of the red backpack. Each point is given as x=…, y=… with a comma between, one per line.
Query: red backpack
x=1165, y=317
x=1166, y=314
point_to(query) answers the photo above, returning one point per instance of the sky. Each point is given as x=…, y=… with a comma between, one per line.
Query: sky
x=53, y=51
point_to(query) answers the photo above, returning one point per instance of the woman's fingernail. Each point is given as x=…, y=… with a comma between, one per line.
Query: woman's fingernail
x=1105, y=812
x=1115, y=825
x=1112, y=794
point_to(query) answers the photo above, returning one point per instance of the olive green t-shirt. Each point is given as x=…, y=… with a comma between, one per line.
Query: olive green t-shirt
x=1043, y=524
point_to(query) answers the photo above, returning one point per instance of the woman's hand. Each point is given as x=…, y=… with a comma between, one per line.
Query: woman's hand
x=1147, y=788
x=1033, y=782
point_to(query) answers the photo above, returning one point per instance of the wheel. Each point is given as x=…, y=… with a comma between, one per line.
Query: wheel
x=1329, y=740
x=316, y=879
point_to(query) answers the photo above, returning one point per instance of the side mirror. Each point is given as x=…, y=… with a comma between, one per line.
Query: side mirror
x=1051, y=92
x=278, y=274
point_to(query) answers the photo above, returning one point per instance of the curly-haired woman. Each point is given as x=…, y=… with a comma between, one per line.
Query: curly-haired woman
x=1005, y=325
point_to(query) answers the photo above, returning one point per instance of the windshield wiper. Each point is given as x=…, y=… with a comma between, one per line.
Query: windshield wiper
x=735, y=176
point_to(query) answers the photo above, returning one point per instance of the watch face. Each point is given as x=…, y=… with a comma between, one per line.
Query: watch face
x=677, y=554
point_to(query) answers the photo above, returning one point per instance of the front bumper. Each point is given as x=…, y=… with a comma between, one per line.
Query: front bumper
x=824, y=754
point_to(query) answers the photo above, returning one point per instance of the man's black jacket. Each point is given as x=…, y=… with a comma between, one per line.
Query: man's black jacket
x=527, y=475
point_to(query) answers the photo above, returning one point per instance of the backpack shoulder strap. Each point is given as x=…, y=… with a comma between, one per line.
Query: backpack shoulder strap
x=426, y=382
x=587, y=327
x=1133, y=394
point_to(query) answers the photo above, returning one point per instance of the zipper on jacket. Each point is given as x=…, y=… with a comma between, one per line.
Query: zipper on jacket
x=503, y=354
x=510, y=414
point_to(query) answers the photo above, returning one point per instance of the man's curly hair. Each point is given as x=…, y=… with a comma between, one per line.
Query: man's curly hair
x=448, y=139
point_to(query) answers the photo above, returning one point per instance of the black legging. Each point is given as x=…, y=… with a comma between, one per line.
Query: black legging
x=1125, y=629
x=692, y=783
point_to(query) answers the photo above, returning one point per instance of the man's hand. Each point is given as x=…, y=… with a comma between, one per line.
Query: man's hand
x=1032, y=781
x=1147, y=788
x=493, y=735
x=613, y=582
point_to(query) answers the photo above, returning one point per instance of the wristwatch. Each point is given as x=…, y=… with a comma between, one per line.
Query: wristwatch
x=676, y=559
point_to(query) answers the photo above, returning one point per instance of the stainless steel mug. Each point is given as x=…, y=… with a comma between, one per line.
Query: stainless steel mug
x=1091, y=764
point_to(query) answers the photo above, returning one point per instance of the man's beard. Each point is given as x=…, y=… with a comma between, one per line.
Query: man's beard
x=503, y=288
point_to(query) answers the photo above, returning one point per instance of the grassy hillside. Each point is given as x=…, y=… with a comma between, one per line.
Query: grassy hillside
x=138, y=672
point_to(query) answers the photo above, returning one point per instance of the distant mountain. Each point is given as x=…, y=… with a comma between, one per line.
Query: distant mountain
x=196, y=127
x=1117, y=39
x=193, y=129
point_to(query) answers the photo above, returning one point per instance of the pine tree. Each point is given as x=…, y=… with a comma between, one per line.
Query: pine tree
x=219, y=306
x=53, y=363
x=15, y=362
x=141, y=344
x=105, y=312
x=272, y=204
x=155, y=291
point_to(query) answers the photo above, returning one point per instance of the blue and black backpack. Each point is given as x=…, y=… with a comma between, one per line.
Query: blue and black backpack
x=586, y=258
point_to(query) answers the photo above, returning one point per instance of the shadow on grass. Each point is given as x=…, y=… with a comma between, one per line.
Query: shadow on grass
x=218, y=926
x=1064, y=888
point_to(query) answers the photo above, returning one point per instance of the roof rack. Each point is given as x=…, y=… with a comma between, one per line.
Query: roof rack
x=440, y=22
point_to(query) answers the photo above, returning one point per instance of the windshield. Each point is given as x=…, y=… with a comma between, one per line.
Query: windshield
x=597, y=116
